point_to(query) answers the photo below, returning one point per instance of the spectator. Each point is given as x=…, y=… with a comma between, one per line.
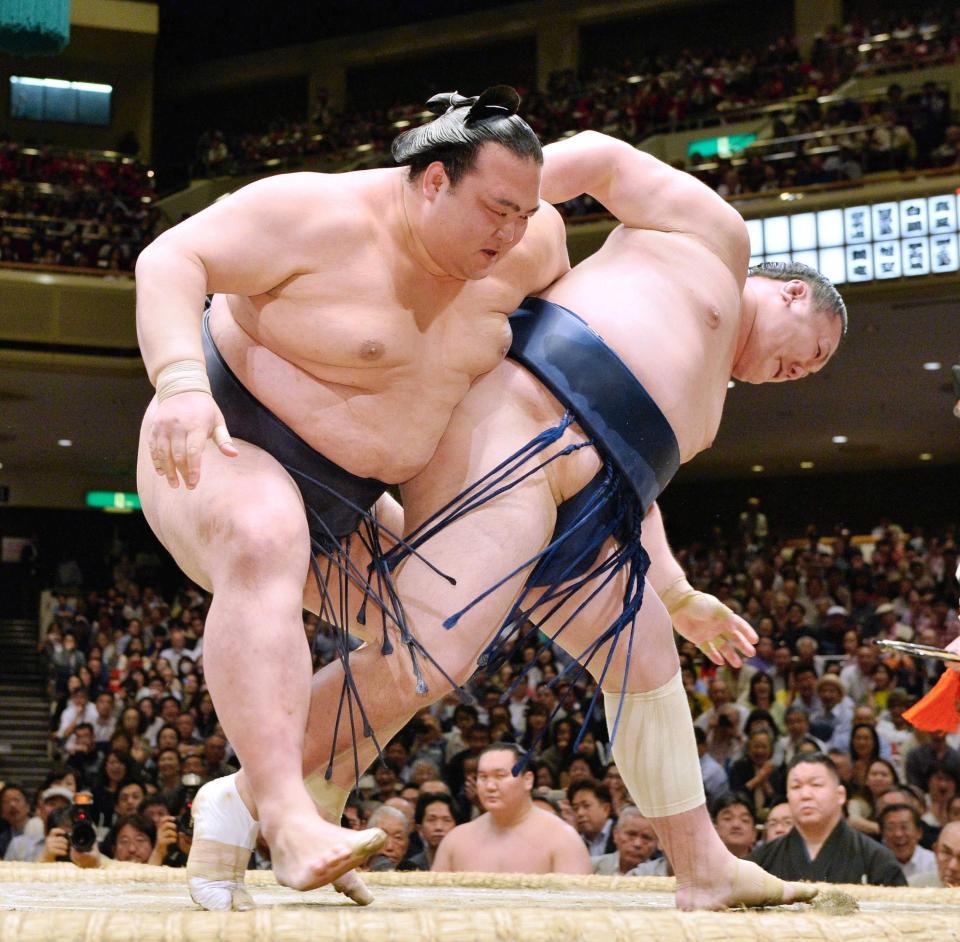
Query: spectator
x=932, y=752
x=592, y=807
x=736, y=823
x=434, y=817
x=512, y=836
x=636, y=843
x=779, y=822
x=78, y=710
x=15, y=813
x=833, y=721
x=947, y=850
x=28, y=847
x=715, y=782
x=84, y=757
x=900, y=831
x=106, y=718
x=822, y=846
x=396, y=824
x=755, y=774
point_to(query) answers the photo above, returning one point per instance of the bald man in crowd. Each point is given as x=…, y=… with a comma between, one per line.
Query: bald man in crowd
x=947, y=850
x=512, y=836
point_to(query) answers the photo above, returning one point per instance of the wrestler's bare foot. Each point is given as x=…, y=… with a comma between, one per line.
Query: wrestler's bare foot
x=350, y=884
x=731, y=883
x=308, y=851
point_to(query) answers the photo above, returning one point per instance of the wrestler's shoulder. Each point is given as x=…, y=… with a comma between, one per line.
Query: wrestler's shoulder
x=334, y=196
x=542, y=253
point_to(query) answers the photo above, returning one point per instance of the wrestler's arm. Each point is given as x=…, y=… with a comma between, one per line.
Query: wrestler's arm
x=569, y=852
x=697, y=616
x=644, y=193
x=444, y=861
x=246, y=244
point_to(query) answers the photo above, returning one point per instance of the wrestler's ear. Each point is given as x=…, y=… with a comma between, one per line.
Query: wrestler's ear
x=794, y=290
x=432, y=180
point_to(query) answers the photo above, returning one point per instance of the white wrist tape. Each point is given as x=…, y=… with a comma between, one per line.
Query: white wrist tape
x=655, y=749
x=180, y=377
x=677, y=594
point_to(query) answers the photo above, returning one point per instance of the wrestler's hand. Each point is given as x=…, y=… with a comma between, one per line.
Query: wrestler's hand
x=181, y=426
x=718, y=632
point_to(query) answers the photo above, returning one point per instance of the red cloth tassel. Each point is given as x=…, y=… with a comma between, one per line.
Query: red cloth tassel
x=937, y=711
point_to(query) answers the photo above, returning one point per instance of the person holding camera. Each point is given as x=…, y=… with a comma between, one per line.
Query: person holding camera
x=72, y=837
x=29, y=847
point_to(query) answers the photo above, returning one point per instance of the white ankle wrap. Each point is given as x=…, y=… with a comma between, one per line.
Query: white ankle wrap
x=224, y=836
x=220, y=815
x=655, y=749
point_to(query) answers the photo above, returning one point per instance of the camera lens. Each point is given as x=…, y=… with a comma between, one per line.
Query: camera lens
x=83, y=836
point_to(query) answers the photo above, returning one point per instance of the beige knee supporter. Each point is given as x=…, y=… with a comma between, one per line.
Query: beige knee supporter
x=655, y=749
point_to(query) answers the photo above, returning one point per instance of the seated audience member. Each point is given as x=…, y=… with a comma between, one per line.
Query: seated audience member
x=863, y=749
x=941, y=788
x=933, y=751
x=619, y=797
x=779, y=822
x=755, y=774
x=832, y=723
x=396, y=825
x=862, y=804
x=893, y=728
x=908, y=795
x=84, y=757
x=513, y=835
x=947, y=851
x=736, y=823
x=822, y=846
x=434, y=817
x=354, y=816
x=636, y=843
x=797, y=722
x=138, y=841
x=720, y=697
x=29, y=846
x=900, y=831
x=15, y=812
x=591, y=805
x=715, y=782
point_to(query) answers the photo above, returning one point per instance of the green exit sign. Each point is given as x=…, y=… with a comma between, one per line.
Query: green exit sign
x=113, y=500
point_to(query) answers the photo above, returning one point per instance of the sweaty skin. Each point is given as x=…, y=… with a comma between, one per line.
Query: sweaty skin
x=357, y=307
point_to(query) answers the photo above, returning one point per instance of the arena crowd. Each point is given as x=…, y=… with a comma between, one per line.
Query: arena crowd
x=69, y=208
x=134, y=727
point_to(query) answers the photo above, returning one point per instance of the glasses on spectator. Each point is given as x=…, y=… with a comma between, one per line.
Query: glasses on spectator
x=141, y=840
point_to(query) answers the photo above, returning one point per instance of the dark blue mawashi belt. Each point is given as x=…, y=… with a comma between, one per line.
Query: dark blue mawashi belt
x=570, y=358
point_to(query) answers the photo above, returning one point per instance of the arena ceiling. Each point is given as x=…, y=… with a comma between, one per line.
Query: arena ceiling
x=875, y=392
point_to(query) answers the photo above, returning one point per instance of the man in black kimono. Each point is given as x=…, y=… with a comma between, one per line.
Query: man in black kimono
x=822, y=846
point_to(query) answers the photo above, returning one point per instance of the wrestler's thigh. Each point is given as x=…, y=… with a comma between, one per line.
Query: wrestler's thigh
x=653, y=651
x=327, y=589
x=245, y=518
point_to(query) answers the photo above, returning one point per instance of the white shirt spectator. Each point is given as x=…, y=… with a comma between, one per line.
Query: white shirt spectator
x=922, y=861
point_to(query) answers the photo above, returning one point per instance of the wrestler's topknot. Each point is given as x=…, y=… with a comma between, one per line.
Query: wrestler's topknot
x=462, y=127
